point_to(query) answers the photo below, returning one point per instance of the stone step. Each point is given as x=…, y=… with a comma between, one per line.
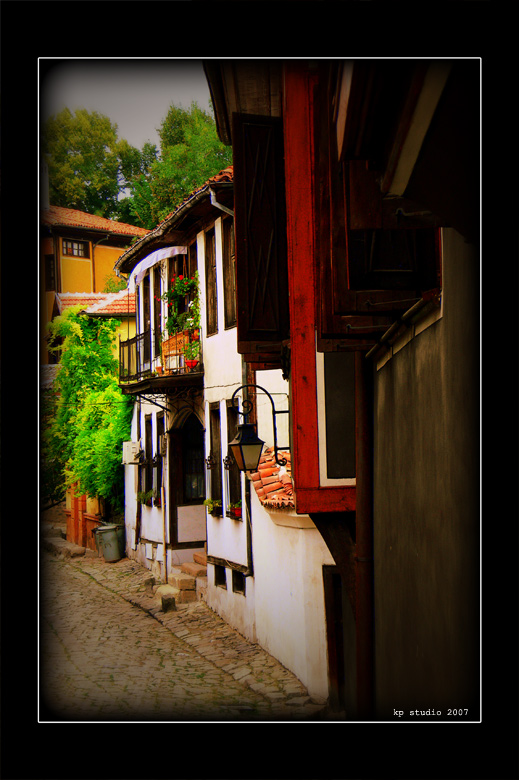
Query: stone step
x=168, y=596
x=194, y=569
x=200, y=558
x=181, y=580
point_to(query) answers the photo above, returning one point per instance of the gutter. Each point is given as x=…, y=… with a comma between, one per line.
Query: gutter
x=430, y=300
x=136, y=252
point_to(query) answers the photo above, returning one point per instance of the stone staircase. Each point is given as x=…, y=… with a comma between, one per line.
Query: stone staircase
x=187, y=583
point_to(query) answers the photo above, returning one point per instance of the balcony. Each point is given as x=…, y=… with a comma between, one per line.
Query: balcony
x=180, y=360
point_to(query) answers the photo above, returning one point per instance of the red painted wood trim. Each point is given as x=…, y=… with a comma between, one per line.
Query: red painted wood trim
x=325, y=499
x=298, y=120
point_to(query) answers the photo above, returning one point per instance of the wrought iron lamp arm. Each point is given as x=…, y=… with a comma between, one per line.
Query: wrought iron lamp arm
x=248, y=405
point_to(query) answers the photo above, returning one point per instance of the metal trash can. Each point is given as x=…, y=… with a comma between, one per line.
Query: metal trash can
x=121, y=539
x=109, y=543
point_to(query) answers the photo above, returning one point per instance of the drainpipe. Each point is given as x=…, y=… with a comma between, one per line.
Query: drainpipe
x=104, y=238
x=364, y=536
x=219, y=205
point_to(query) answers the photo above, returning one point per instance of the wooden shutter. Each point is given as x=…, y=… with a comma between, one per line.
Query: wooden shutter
x=375, y=257
x=156, y=311
x=229, y=273
x=210, y=281
x=260, y=227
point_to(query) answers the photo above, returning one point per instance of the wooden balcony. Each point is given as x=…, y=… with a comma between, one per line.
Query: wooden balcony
x=180, y=362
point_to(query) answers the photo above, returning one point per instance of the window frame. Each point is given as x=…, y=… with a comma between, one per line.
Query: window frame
x=85, y=245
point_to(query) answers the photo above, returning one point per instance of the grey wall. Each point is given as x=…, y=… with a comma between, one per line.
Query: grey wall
x=426, y=505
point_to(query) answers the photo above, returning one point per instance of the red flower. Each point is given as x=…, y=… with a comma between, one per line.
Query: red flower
x=180, y=277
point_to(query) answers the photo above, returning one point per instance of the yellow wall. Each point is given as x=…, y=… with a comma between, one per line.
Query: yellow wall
x=77, y=274
x=105, y=258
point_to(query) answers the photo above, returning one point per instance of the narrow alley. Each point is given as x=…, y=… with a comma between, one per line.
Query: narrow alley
x=109, y=652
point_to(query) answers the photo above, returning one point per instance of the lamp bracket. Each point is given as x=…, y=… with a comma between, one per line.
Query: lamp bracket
x=247, y=407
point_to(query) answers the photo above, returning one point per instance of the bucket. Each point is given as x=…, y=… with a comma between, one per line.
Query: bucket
x=109, y=543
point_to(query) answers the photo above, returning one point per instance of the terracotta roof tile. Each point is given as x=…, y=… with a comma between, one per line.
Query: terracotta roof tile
x=117, y=304
x=58, y=216
x=114, y=304
x=273, y=483
x=67, y=299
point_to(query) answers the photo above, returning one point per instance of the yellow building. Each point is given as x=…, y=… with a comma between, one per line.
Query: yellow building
x=78, y=254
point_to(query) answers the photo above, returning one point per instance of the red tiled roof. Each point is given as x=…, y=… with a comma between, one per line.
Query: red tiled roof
x=136, y=251
x=114, y=304
x=273, y=483
x=67, y=299
x=59, y=216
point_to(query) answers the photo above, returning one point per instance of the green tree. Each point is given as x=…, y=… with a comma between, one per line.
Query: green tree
x=190, y=153
x=87, y=380
x=81, y=151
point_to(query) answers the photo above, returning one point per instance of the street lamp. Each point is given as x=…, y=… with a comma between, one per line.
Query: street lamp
x=246, y=446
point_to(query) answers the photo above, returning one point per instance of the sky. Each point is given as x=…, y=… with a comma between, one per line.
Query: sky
x=134, y=93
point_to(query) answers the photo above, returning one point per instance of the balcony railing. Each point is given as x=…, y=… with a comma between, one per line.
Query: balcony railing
x=181, y=354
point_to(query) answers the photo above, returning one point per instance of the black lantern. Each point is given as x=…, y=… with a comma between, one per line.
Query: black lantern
x=246, y=447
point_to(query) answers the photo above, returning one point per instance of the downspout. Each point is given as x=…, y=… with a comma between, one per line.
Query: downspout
x=104, y=238
x=364, y=536
x=214, y=202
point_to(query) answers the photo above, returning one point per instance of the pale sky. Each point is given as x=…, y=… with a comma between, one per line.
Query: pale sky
x=134, y=93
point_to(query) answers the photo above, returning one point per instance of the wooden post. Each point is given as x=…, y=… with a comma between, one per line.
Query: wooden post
x=364, y=536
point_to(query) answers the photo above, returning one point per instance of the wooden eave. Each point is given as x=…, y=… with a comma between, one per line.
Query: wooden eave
x=243, y=87
x=161, y=384
x=190, y=217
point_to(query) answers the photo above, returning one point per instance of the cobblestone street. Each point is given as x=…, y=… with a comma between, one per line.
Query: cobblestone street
x=109, y=652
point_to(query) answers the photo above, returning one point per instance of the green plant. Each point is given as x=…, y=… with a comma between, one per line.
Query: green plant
x=180, y=313
x=145, y=497
x=192, y=350
x=212, y=504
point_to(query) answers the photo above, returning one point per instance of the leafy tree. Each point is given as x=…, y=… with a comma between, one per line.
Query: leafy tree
x=81, y=151
x=190, y=153
x=101, y=424
x=86, y=381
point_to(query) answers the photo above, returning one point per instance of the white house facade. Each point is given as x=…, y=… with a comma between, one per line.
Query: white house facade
x=264, y=561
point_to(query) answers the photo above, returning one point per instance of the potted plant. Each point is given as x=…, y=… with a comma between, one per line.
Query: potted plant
x=181, y=314
x=235, y=510
x=191, y=353
x=214, y=506
x=145, y=497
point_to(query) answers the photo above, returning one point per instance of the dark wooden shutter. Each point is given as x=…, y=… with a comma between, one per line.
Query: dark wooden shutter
x=229, y=273
x=216, y=451
x=260, y=227
x=210, y=280
x=375, y=256
x=156, y=310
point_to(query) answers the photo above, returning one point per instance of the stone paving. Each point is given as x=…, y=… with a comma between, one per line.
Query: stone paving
x=109, y=652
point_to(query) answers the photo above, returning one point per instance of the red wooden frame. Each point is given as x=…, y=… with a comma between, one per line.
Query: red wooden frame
x=299, y=167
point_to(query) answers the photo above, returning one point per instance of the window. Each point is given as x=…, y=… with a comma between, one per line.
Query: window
x=193, y=461
x=216, y=451
x=220, y=578
x=229, y=273
x=75, y=248
x=157, y=462
x=210, y=280
x=148, y=451
x=157, y=325
x=238, y=582
x=233, y=472
x=146, y=319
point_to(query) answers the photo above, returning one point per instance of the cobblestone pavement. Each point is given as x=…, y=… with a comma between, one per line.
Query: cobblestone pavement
x=109, y=652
